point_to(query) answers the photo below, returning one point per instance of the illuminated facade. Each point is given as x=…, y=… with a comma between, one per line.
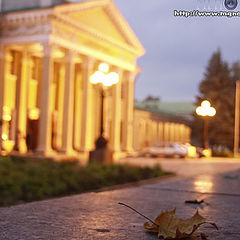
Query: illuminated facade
x=151, y=128
x=48, y=51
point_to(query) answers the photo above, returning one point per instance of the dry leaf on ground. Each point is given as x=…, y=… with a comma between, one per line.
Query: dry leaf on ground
x=168, y=226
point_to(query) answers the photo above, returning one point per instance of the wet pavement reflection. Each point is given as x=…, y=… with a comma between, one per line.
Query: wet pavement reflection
x=98, y=216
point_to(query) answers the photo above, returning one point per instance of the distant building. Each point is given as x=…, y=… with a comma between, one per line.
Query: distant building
x=48, y=51
x=156, y=121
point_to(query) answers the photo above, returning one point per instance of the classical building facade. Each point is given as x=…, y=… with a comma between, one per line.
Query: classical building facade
x=151, y=128
x=48, y=51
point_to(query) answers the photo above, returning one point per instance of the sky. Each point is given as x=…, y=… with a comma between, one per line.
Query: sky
x=178, y=48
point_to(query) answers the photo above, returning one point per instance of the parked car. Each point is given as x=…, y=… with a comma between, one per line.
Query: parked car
x=166, y=150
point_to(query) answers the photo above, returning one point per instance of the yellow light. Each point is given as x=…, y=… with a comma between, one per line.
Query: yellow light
x=33, y=114
x=6, y=114
x=205, y=104
x=203, y=186
x=114, y=77
x=203, y=183
x=104, y=67
x=4, y=137
x=212, y=111
x=7, y=117
x=110, y=79
x=205, y=109
x=97, y=77
x=199, y=111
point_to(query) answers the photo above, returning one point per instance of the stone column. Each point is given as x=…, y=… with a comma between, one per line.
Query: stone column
x=67, y=140
x=45, y=121
x=128, y=112
x=142, y=136
x=116, y=114
x=188, y=134
x=21, y=104
x=160, y=131
x=149, y=133
x=85, y=134
x=166, y=132
x=59, y=98
x=176, y=135
x=182, y=133
x=2, y=86
x=172, y=131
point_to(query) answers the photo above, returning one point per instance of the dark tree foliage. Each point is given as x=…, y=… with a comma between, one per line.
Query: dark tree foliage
x=218, y=87
x=151, y=98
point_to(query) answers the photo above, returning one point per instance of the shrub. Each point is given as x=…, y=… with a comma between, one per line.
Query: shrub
x=24, y=180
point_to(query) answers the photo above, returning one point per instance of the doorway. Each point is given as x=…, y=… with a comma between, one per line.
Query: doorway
x=32, y=134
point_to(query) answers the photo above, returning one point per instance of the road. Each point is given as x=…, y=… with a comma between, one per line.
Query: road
x=188, y=167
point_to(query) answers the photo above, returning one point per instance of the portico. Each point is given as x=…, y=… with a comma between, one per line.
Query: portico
x=47, y=103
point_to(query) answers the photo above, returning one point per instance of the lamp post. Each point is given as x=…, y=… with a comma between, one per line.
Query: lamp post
x=105, y=79
x=206, y=111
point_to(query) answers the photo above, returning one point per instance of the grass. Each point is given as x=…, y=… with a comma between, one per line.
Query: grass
x=24, y=180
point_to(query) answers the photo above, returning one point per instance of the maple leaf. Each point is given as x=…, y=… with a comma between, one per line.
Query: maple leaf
x=169, y=226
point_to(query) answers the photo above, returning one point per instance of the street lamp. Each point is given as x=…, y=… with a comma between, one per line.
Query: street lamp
x=206, y=111
x=105, y=79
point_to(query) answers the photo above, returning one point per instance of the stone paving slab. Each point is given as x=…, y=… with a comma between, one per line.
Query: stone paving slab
x=94, y=216
x=221, y=184
x=188, y=167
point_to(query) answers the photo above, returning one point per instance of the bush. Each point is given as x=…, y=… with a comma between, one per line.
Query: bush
x=24, y=180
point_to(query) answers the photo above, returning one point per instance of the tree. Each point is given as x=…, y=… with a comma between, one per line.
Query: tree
x=218, y=86
x=151, y=98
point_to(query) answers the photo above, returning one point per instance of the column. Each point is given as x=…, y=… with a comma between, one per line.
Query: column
x=186, y=134
x=171, y=132
x=166, y=132
x=2, y=86
x=21, y=104
x=77, y=122
x=45, y=121
x=60, y=93
x=155, y=132
x=86, y=128
x=116, y=114
x=182, y=133
x=128, y=112
x=177, y=129
x=67, y=140
x=148, y=133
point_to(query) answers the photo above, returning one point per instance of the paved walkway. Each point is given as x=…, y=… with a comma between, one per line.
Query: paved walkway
x=98, y=216
x=189, y=167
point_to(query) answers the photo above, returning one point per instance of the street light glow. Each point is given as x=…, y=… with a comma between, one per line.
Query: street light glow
x=205, y=109
x=205, y=104
x=4, y=137
x=104, y=67
x=101, y=76
x=110, y=79
x=97, y=77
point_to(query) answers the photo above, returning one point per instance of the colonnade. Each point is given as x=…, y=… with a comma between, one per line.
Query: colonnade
x=148, y=131
x=49, y=106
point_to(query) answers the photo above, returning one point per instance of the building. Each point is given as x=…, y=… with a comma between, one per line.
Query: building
x=156, y=122
x=48, y=51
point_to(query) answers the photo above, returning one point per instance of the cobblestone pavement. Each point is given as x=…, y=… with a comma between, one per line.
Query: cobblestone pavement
x=96, y=216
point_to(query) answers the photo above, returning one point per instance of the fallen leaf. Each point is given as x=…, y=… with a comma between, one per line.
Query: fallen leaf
x=102, y=230
x=195, y=201
x=169, y=226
